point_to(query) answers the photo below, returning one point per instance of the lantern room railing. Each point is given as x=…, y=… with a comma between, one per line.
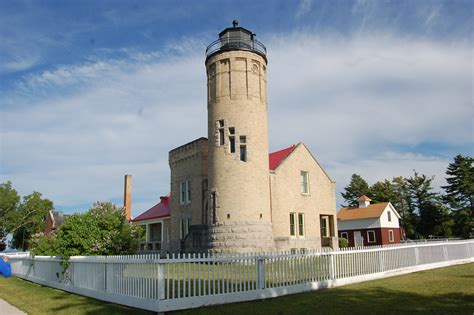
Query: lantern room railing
x=236, y=43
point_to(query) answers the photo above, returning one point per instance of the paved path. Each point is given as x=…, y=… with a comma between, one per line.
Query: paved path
x=7, y=309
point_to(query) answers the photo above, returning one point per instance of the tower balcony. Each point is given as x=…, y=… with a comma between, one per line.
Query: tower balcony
x=236, y=38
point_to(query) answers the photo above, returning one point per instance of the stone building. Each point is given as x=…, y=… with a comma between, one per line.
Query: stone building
x=228, y=194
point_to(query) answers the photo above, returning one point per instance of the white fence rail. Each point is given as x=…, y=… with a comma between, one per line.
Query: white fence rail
x=187, y=281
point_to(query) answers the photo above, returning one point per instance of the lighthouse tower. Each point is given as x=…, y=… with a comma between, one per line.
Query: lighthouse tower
x=239, y=219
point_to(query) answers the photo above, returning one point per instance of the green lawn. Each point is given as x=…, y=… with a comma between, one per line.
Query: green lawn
x=36, y=299
x=438, y=291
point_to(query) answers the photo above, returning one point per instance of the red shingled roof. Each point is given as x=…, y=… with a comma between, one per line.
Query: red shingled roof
x=160, y=210
x=277, y=157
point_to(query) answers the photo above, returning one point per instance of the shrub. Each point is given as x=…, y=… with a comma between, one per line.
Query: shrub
x=343, y=243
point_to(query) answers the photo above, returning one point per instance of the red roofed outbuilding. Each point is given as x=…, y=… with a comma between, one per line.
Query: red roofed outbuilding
x=157, y=223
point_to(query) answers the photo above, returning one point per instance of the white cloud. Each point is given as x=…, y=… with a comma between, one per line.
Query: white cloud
x=304, y=7
x=357, y=103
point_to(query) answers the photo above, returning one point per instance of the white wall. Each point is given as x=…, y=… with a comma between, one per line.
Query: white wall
x=384, y=218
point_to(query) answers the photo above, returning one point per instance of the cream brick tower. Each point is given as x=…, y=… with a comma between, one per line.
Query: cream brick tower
x=239, y=218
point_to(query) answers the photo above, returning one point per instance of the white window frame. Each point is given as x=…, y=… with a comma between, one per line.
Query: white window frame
x=185, y=192
x=293, y=231
x=391, y=236
x=368, y=237
x=346, y=235
x=304, y=182
x=389, y=216
x=301, y=227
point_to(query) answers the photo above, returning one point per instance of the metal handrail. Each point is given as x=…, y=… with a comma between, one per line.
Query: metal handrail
x=236, y=43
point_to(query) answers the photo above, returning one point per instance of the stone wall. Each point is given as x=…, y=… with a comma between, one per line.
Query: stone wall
x=187, y=162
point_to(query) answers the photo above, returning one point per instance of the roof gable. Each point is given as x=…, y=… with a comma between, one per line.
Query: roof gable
x=160, y=210
x=276, y=158
x=354, y=213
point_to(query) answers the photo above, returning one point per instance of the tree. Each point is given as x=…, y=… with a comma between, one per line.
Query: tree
x=402, y=203
x=460, y=194
x=103, y=230
x=432, y=215
x=383, y=192
x=356, y=188
x=28, y=219
x=9, y=201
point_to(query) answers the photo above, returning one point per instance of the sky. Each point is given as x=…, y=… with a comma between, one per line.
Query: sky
x=93, y=90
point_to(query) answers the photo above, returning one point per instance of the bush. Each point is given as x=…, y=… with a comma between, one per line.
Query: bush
x=103, y=230
x=343, y=243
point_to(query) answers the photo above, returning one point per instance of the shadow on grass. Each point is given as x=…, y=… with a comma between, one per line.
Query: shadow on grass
x=93, y=306
x=376, y=300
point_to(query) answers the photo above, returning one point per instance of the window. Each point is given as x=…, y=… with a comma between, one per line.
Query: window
x=184, y=228
x=371, y=236
x=232, y=140
x=243, y=148
x=390, y=236
x=324, y=226
x=185, y=192
x=389, y=214
x=155, y=232
x=232, y=144
x=221, y=132
x=304, y=182
x=345, y=235
x=292, y=224
x=301, y=224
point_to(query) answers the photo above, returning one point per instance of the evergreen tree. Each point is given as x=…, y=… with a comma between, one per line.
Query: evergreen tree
x=356, y=188
x=383, y=192
x=402, y=203
x=423, y=201
x=460, y=194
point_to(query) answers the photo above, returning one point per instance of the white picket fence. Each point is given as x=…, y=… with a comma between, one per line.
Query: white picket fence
x=187, y=281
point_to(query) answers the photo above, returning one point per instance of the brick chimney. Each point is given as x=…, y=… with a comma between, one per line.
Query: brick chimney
x=127, y=197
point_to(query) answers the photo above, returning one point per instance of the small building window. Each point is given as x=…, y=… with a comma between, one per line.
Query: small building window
x=185, y=192
x=345, y=235
x=292, y=224
x=389, y=215
x=301, y=224
x=304, y=182
x=371, y=236
x=390, y=236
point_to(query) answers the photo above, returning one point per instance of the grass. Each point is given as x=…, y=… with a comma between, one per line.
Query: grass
x=36, y=299
x=438, y=291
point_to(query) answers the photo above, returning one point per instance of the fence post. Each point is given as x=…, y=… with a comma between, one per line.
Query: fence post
x=161, y=281
x=445, y=253
x=261, y=281
x=331, y=267
x=380, y=260
x=417, y=256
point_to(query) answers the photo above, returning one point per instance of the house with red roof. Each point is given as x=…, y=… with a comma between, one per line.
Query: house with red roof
x=157, y=225
x=369, y=224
